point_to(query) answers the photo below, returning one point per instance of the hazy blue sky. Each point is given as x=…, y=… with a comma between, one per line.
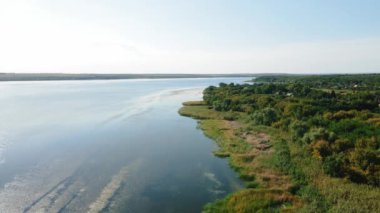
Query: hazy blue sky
x=183, y=36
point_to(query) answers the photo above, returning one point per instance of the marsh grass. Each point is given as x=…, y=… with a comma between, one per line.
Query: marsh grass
x=199, y=112
x=288, y=172
x=255, y=200
x=267, y=189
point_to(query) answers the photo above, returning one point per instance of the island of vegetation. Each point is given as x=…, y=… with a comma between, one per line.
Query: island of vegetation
x=301, y=143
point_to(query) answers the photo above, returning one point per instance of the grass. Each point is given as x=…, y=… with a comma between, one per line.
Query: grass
x=194, y=103
x=341, y=195
x=281, y=179
x=255, y=200
x=321, y=193
x=198, y=112
x=267, y=189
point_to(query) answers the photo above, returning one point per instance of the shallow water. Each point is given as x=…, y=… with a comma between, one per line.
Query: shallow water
x=110, y=146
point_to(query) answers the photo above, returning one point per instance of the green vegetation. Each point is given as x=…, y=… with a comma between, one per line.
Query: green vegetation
x=302, y=143
x=341, y=82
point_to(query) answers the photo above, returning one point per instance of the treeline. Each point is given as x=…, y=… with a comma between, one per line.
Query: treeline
x=339, y=127
x=357, y=82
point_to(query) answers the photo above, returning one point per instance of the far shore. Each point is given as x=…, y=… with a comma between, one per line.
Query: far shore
x=64, y=76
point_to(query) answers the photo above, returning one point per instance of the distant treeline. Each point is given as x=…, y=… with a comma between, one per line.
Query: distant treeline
x=61, y=76
x=347, y=81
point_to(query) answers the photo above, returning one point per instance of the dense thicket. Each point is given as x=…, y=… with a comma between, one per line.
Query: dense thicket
x=337, y=118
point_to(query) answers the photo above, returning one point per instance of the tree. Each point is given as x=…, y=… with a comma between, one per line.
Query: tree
x=264, y=117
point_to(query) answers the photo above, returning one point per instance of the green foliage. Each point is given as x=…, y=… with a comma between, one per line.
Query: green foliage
x=317, y=202
x=357, y=82
x=318, y=134
x=253, y=200
x=282, y=157
x=266, y=116
x=283, y=160
x=327, y=141
x=298, y=129
x=333, y=165
x=251, y=185
x=354, y=129
x=328, y=115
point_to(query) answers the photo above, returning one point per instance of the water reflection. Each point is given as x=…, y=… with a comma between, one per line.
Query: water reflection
x=112, y=146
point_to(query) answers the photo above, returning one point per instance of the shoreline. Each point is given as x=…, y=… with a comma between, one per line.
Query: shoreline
x=247, y=151
x=5, y=77
x=280, y=175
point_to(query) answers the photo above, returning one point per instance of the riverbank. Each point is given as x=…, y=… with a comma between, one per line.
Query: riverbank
x=280, y=175
x=251, y=154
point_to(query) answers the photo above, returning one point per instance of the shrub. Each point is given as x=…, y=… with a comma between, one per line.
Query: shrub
x=298, y=129
x=318, y=134
x=265, y=116
x=333, y=165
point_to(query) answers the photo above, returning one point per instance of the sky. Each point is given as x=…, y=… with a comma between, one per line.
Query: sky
x=197, y=36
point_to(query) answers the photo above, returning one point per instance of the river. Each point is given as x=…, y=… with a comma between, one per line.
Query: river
x=107, y=146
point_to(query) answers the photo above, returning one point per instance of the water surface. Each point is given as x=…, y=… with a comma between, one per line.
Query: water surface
x=110, y=146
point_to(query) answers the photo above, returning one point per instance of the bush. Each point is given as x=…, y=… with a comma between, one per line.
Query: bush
x=266, y=116
x=298, y=129
x=318, y=134
x=333, y=165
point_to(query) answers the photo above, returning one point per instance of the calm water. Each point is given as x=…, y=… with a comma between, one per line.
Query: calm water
x=110, y=146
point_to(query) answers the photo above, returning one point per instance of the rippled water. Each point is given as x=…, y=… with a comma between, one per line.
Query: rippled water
x=110, y=146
